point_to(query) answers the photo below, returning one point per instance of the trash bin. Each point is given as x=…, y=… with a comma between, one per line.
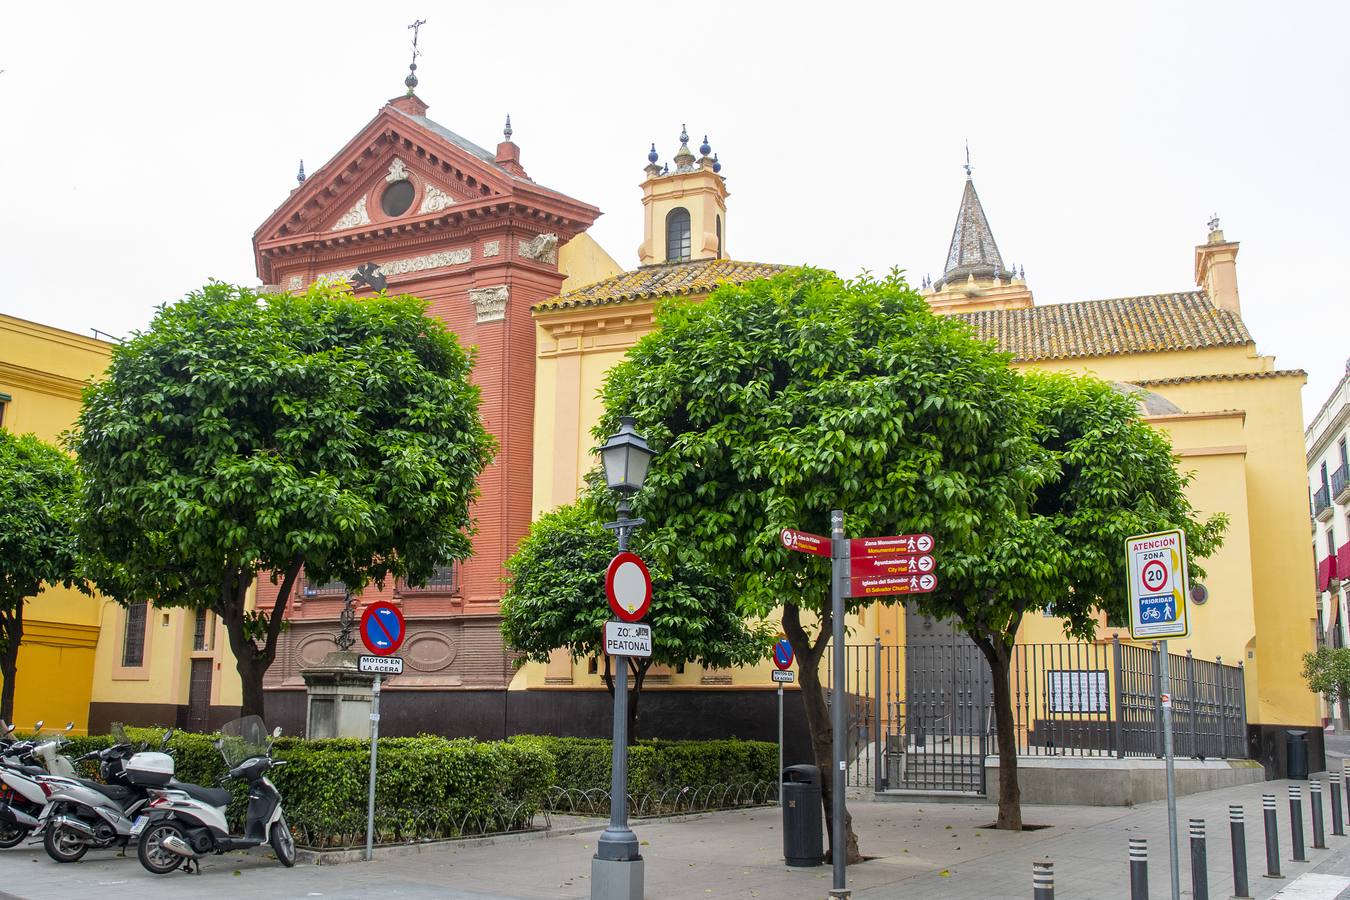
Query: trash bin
x=803, y=828
x=1296, y=754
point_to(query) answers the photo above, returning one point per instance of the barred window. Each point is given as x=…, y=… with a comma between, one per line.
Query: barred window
x=324, y=589
x=200, y=636
x=677, y=235
x=133, y=639
x=444, y=580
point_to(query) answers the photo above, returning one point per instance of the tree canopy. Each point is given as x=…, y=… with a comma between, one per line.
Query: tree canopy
x=776, y=401
x=38, y=491
x=245, y=433
x=555, y=599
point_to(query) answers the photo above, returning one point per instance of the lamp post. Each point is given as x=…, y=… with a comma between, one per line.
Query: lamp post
x=617, y=867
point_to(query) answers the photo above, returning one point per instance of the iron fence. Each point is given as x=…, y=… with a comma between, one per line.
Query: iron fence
x=922, y=717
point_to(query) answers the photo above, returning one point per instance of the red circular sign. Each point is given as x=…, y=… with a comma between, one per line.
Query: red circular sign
x=1154, y=575
x=628, y=585
x=382, y=629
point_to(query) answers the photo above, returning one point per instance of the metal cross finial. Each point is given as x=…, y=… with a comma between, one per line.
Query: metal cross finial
x=411, y=80
x=967, y=165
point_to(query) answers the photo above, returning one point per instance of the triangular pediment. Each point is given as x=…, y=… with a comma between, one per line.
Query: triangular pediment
x=443, y=169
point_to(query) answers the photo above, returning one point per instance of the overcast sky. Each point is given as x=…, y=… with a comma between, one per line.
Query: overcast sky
x=142, y=144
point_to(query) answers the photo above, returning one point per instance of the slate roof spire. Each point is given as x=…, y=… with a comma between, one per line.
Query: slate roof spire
x=973, y=251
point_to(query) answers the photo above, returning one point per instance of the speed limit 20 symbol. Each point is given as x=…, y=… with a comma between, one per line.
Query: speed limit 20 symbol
x=1154, y=575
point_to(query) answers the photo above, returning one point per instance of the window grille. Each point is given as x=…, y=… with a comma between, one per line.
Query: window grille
x=133, y=639
x=677, y=235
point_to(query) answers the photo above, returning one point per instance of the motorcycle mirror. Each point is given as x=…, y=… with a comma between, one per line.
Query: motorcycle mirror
x=70, y=726
x=276, y=732
x=38, y=726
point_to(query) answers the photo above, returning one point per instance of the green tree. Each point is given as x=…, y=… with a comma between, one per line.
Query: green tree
x=1328, y=673
x=1099, y=475
x=555, y=599
x=775, y=401
x=37, y=539
x=248, y=434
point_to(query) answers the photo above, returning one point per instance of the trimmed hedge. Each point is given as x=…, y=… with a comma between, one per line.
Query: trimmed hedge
x=656, y=766
x=424, y=786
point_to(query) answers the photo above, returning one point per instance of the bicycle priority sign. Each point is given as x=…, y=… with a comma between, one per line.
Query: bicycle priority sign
x=1158, y=578
x=382, y=629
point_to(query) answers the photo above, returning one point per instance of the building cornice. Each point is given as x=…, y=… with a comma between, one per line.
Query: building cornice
x=42, y=382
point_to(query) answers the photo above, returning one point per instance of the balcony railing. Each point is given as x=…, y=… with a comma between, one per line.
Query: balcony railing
x=327, y=589
x=1340, y=484
x=445, y=580
x=1322, y=503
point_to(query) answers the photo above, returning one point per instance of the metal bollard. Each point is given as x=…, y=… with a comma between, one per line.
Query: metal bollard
x=1199, y=861
x=1296, y=822
x=1272, y=836
x=1237, y=831
x=1315, y=801
x=1337, y=822
x=1138, y=869
x=1043, y=879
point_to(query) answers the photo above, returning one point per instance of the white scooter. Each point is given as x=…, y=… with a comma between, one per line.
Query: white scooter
x=29, y=772
x=184, y=822
x=86, y=815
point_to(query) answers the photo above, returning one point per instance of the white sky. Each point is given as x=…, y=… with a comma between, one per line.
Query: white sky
x=142, y=143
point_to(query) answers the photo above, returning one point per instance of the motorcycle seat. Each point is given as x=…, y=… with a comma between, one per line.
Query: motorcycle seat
x=212, y=796
x=113, y=792
x=28, y=770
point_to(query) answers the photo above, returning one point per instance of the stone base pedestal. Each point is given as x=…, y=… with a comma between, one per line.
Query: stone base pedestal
x=613, y=879
x=338, y=697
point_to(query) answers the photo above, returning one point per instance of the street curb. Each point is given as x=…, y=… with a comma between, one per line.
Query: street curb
x=396, y=851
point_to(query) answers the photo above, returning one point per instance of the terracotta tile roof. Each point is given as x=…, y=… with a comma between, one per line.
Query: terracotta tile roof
x=1234, y=376
x=1150, y=324
x=666, y=280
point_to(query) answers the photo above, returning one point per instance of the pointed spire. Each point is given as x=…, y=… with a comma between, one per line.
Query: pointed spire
x=506, y=132
x=652, y=169
x=684, y=157
x=973, y=252
x=300, y=176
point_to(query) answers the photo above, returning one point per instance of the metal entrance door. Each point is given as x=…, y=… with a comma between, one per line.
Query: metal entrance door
x=942, y=733
x=199, y=696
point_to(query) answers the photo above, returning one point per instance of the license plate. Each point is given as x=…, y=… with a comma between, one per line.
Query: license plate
x=139, y=825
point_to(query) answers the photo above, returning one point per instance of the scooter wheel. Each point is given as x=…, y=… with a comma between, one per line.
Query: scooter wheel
x=151, y=850
x=283, y=843
x=11, y=835
x=64, y=845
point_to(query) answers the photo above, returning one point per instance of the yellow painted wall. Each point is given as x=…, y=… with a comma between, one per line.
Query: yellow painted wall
x=43, y=370
x=585, y=262
x=1242, y=436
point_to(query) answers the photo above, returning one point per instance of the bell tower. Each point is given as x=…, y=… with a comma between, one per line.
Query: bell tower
x=685, y=211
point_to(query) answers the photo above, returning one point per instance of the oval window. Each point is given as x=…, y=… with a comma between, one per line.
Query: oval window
x=397, y=198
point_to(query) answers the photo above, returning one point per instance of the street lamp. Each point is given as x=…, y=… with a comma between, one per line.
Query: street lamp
x=617, y=867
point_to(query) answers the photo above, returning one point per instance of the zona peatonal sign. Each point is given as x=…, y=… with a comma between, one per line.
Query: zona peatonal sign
x=1158, y=578
x=628, y=639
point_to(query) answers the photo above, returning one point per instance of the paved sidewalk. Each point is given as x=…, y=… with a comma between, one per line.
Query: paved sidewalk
x=919, y=851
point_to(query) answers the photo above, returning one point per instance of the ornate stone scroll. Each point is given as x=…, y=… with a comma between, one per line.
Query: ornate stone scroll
x=543, y=248
x=434, y=199
x=355, y=216
x=397, y=171
x=490, y=303
x=492, y=248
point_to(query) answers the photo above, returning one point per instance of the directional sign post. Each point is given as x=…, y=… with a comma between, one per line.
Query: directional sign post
x=1158, y=581
x=382, y=631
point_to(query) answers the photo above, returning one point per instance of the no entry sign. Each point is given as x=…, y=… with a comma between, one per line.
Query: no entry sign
x=628, y=585
x=382, y=628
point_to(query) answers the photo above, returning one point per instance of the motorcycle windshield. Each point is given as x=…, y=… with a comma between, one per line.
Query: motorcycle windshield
x=118, y=734
x=243, y=739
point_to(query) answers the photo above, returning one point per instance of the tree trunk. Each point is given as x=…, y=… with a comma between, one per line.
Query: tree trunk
x=818, y=725
x=637, y=673
x=252, y=661
x=1345, y=714
x=11, y=634
x=999, y=656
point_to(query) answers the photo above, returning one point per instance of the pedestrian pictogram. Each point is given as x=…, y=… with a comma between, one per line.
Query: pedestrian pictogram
x=804, y=542
x=382, y=628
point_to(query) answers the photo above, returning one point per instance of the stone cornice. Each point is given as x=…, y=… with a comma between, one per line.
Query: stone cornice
x=596, y=328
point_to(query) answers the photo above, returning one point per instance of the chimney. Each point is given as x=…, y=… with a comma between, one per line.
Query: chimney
x=1216, y=268
x=409, y=103
x=508, y=153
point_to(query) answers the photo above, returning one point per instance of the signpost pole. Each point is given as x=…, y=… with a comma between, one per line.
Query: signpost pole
x=780, y=744
x=839, y=572
x=374, y=751
x=1165, y=688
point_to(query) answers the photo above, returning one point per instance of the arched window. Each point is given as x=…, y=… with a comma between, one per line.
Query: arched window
x=719, y=237
x=677, y=235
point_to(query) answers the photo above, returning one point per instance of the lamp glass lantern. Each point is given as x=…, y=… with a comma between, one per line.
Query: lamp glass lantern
x=626, y=458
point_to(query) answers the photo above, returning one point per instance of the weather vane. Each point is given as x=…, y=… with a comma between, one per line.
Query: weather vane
x=411, y=80
x=967, y=166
